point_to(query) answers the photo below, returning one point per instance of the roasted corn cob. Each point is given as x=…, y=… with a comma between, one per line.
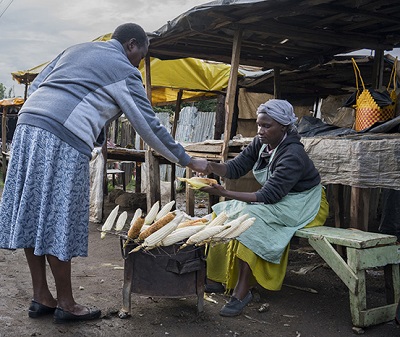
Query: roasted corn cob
x=153, y=239
x=134, y=230
x=233, y=225
x=156, y=225
x=193, y=222
x=245, y=225
x=151, y=215
x=203, y=235
x=108, y=224
x=121, y=221
x=198, y=182
x=219, y=220
x=180, y=234
x=165, y=210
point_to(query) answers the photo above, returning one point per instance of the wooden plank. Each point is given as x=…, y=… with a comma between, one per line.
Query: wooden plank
x=348, y=237
x=374, y=257
x=189, y=194
x=359, y=211
x=231, y=91
x=335, y=261
x=209, y=148
x=376, y=316
x=153, y=193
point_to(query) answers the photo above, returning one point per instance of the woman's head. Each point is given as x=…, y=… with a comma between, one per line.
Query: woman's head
x=274, y=119
x=134, y=40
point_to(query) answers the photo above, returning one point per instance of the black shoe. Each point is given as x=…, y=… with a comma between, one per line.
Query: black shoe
x=397, y=317
x=216, y=288
x=61, y=316
x=37, y=310
x=235, y=306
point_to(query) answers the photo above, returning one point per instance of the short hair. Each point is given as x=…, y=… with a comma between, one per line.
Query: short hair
x=127, y=31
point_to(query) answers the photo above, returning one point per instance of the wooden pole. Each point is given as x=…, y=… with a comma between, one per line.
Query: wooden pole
x=277, y=82
x=231, y=92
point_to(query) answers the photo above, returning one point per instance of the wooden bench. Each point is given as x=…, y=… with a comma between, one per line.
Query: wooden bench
x=364, y=250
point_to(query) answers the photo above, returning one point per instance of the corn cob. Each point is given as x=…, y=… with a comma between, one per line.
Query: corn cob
x=151, y=215
x=153, y=239
x=203, y=235
x=193, y=222
x=245, y=225
x=233, y=225
x=198, y=182
x=218, y=220
x=180, y=234
x=108, y=224
x=156, y=225
x=165, y=210
x=138, y=214
x=135, y=228
x=121, y=221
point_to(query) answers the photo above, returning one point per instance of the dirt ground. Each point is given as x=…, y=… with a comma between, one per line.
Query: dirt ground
x=314, y=304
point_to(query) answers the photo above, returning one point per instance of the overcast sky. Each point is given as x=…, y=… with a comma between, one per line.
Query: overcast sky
x=35, y=31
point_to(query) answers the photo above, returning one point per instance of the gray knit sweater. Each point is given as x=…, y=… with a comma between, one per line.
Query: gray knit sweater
x=86, y=87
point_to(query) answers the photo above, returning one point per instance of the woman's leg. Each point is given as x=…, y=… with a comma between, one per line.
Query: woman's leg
x=62, y=274
x=243, y=284
x=37, y=267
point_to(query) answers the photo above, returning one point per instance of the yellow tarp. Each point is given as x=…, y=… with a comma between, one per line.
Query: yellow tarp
x=195, y=77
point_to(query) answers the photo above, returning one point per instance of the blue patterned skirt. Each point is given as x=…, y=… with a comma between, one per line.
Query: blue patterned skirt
x=45, y=202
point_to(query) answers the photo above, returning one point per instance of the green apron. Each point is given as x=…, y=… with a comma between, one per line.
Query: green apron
x=275, y=223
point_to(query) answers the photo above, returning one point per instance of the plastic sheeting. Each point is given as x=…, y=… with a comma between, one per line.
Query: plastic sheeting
x=360, y=160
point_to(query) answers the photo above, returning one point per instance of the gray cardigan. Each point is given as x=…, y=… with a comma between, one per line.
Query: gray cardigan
x=292, y=169
x=87, y=86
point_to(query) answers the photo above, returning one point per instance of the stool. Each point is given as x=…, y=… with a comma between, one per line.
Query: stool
x=113, y=172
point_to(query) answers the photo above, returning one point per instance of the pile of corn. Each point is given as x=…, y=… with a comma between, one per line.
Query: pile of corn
x=165, y=227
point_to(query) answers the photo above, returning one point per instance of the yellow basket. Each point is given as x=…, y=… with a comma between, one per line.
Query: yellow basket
x=368, y=111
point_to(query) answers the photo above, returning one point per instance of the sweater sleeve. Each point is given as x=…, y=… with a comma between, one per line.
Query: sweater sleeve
x=132, y=100
x=243, y=162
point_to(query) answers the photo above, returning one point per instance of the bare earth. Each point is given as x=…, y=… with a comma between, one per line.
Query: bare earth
x=312, y=304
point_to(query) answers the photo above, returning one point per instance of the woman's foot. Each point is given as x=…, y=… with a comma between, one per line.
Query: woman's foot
x=235, y=306
x=83, y=314
x=37, y=309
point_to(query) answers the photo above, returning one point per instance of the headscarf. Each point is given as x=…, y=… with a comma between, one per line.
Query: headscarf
x=279, y=110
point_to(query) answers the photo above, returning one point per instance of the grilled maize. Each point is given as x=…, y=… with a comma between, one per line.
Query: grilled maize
x=121, y=221
x=233, y=225
x=151, y=215
x=135, y=228
x=203, y=235
x=180, y=234
x=156, y=225
x=245, y=225
x=153, y=239
x=138, y=214
x=198, y=182
x=108, y=224
x=218, y=220
x=193, y=222
x=165, y=210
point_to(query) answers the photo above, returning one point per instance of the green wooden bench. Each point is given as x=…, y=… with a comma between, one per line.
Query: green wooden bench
x=364, y=250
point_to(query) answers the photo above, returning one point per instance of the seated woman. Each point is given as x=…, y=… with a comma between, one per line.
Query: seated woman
x=291, y=197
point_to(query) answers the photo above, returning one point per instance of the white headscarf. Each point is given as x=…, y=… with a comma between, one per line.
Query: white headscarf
x=279, y=110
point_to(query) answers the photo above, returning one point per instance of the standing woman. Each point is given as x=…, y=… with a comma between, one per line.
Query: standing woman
x=45, y=203
x=291, y=197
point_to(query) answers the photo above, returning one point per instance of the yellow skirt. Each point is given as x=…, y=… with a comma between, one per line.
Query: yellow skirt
x=222, y=263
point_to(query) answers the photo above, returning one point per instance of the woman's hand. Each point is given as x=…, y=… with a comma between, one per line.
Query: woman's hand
x=214, y=189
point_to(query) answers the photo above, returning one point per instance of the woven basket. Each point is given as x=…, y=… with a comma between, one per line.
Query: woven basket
x=367, y=109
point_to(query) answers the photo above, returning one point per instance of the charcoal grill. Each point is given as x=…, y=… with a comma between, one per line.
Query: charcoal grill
x=162, y=272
